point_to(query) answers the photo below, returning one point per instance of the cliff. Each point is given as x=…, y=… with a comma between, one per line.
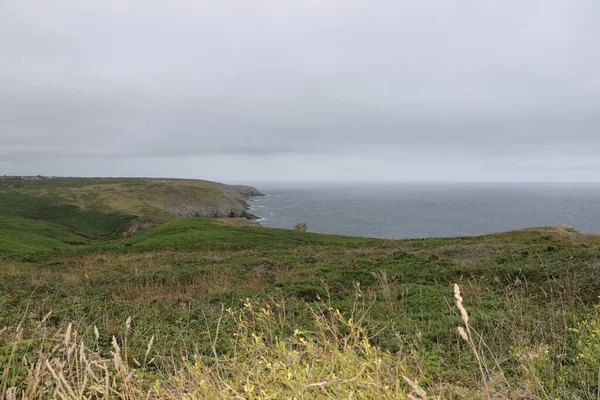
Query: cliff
x=134, y=204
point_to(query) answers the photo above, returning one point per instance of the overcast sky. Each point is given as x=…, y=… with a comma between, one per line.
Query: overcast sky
x=301, y=90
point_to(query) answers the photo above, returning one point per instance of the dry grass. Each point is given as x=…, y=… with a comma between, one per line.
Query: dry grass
x=466, y=334
x=469, y=254
x=216, y=281
x=518, y=340
x=170, y=289
x=566, y=233
x=268, y=358
x=95, y=268
x=265, y=363
x=386, y=290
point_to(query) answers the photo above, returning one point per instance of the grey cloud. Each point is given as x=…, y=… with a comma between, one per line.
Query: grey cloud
x=449, y=84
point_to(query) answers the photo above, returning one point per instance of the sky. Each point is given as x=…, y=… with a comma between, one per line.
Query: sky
x=301, y=90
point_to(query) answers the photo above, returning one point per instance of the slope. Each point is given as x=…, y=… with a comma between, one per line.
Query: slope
x=107, y=208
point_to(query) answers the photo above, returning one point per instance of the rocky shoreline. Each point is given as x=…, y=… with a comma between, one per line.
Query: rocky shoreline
x=232, y=204
x=226, y=201
x=248, y=192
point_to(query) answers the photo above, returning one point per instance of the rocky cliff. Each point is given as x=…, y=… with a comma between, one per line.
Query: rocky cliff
x=231, y=202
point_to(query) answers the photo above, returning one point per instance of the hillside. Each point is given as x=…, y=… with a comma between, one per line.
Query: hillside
x=201, y=308
x=92, y=209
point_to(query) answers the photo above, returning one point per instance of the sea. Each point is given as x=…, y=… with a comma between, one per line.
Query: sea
x=420, y=210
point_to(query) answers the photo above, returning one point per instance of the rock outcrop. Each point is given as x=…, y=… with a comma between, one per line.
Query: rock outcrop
x=164, y=200
x=248, y=191
x=301, y=227
x=230, y=202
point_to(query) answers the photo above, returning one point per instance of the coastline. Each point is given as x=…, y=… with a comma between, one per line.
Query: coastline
x=249, y=193
x=250, y=200
x=427, y=211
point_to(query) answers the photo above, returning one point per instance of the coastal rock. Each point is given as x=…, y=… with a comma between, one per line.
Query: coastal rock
x=231, y=202
x=248, y=191
x=301, y=227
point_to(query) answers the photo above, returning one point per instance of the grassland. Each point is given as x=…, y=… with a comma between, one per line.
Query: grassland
x=89, y=210
x=203, y=308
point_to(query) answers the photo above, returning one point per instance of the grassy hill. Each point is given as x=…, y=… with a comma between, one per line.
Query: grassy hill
x=92, y=209
x=202, y=308
x=21, y=236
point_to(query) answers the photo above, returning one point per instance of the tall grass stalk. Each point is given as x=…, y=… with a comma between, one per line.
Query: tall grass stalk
x=466, y=335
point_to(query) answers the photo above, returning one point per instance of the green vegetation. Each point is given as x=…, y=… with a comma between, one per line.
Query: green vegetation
x=81, y=210
x=22, y=236
x=205, y=308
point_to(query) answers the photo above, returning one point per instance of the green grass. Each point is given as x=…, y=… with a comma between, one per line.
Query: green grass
x=207, y=234
x=51, y=209
x=20, y=236
x=530, y=296
x=102, y=208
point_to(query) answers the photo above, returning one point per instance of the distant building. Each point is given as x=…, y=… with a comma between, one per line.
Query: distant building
x=23, y=177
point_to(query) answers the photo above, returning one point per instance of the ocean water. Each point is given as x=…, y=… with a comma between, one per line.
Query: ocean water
x=418, y=210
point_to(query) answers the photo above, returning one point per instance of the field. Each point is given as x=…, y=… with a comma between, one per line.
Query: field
x=209, y=308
